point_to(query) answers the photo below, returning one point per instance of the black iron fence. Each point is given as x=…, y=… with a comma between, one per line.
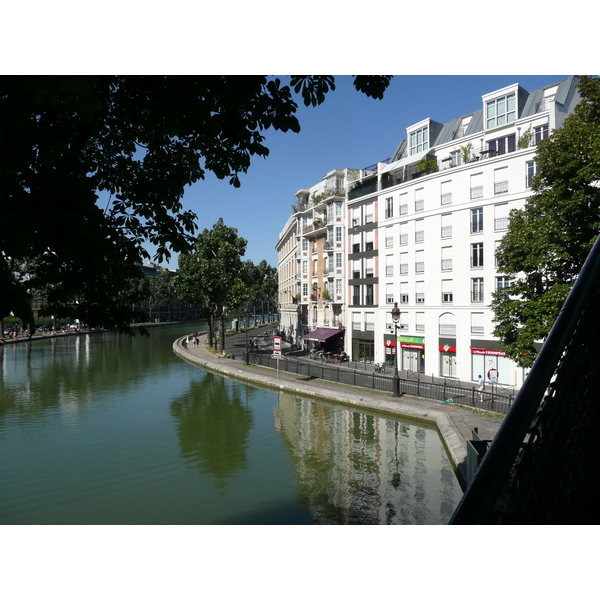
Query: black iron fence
x=542, y=466
x=498, y=400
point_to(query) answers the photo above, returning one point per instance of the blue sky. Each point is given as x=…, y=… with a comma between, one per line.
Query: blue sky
x=349, y=130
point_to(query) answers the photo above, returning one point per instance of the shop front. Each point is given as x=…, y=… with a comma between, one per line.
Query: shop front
x=447, y=360
x=390, y=352
x=413, y=354
x=494, y=365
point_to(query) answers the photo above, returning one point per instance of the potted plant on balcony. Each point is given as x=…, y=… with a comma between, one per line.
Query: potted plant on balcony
x=525, y=139
x=466, y=152
x=318, y=222
x=428, y=165
x=296, y=298
x=326, y=295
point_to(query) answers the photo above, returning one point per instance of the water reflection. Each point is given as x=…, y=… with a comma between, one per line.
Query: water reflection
x=213, y=423
x=359, y=468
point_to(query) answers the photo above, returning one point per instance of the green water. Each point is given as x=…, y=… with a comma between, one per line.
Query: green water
x=107, y=429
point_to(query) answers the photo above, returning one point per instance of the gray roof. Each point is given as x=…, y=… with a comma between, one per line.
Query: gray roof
x=527, y=106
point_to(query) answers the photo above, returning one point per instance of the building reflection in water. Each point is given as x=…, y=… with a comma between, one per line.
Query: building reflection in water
x=359, y=467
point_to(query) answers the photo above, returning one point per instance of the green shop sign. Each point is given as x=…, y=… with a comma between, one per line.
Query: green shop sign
x=411, y=340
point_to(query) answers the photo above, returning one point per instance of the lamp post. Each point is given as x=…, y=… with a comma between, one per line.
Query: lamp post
x=396, y=379
x=246, y=353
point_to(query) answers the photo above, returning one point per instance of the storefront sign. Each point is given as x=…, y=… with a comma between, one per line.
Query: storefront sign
x=487, y=352
x=447, y=348
x=415, y=343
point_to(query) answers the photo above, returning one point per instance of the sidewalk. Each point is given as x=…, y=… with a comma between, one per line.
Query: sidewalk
x=454, y=422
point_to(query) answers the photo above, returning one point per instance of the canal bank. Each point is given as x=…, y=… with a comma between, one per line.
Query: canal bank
x=455, y=423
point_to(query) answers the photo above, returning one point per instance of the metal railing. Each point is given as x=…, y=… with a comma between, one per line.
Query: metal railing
x=541, y=467
x=497, y=399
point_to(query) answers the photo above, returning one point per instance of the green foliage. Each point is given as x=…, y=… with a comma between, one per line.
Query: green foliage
x=211, y=275
x=94, y=167
x=466, y=152
x=525, y=139
x=428, y=166
x=548, y=240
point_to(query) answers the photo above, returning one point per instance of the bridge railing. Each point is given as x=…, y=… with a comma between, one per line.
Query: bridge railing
x=541, y=467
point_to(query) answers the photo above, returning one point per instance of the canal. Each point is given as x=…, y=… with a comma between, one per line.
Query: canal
x=107, y=429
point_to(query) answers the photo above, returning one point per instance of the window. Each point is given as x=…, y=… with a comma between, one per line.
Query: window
x=447, y=226
x=403, y=263
x=420, y=292
x=305, y=267
x=389, y=237
x=447, y=258
x=389, y=265
x=501, y=217
x=404, y=292
x=389, y=208
x=370, y=321
x=532, y=169
x=446, y=192
x=540, y=133
x=369, y=213
x=356, y=320
x=338, y=209
x=338, y=234
x=389, y=293
x=403, y=203
x=419, y=140
x=503, y=145
x=356, y=219
x=420, y=261
x=338, y=260
x=455, y=158
x=356, y=269
x=477, y=289
x=476, y=220
x=338, y=287
x=419, y=199
x=476, y=186
x=369, y=240
x=420, y=321
x=500, y=111
x=419, y=230
x=305, y=290
x=369, y=267
x=502, y=284
x=477, y=323
x=304, y=245
x=356, y=294
x=501, y=180
x=403, y=234
x=356, y=243
x=447, y=293
x=477, y=255
x=369, y=295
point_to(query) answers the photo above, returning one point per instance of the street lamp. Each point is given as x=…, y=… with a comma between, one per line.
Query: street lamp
x=246, y=352
x=396, y=379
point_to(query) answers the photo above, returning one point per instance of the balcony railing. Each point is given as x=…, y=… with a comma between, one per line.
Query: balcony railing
x=501, y=187
x=447, y=231
x=476, y=192
x=446, y=198
x=448, y=330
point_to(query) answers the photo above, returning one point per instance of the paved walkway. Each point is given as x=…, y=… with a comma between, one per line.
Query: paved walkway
x=454, y=422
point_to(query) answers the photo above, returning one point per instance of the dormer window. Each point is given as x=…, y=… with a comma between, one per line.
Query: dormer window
x=500, y=111
x=419, y=140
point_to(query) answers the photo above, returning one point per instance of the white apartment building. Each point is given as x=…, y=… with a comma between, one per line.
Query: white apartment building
x=424, y=227
x=311, y=263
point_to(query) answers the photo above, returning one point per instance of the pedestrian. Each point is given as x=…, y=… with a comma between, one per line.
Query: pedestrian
x=480, y=387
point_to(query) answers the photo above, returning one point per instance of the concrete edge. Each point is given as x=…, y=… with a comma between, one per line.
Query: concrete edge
x=451, y=436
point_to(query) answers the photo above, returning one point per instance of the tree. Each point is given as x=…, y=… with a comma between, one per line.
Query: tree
x=211, y=275
x=159, y=290
x=91, y=168
x=549, y=239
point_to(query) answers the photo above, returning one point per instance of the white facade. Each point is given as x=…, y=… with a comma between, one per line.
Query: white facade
x=437, y=232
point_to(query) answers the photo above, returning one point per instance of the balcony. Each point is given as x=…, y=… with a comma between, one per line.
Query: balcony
x=477, y=192
x=447, y=330
x=363, y=189
x=501, y=187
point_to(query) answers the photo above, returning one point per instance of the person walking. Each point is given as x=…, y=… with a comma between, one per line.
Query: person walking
x=481, y=387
